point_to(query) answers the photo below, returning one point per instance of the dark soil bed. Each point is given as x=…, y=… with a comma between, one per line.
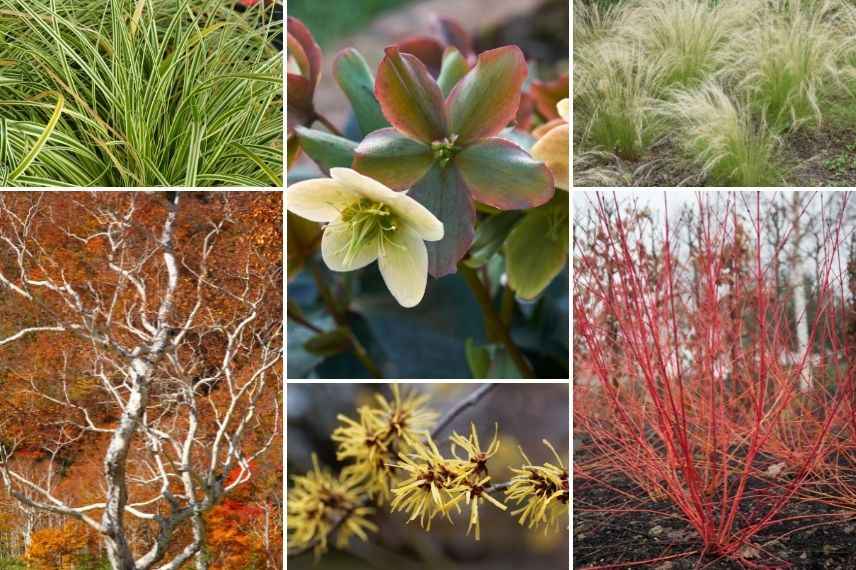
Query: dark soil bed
x=616, y=524
x=811, y=157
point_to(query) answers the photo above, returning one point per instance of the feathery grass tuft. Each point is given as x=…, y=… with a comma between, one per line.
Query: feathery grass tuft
x=156, y=93
x=721, y=136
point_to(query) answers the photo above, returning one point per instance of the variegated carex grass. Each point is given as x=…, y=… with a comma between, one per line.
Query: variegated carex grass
x=139, y=93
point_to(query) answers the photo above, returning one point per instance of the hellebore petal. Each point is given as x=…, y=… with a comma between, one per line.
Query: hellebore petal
x=354, y=77
x=363, y=185
x=319, y=200
x=403, y=263
x=334, y=249
x=501, y=174
x=487, y=98
x=444, y=194
x=553, y=149
x=393, y=159
x=409, y=97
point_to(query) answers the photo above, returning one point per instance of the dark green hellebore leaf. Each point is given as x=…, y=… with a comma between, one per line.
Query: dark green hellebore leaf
x=478, y=358
x=502, y=365
x=443, y=192
x=486, y=99
x=326, y=149
x=503, y=175
x=393, y=159
x=455, y=67
x=409, y=97
x=354, y=77
x=537, y=248
x=329, y=343
x=490, y=235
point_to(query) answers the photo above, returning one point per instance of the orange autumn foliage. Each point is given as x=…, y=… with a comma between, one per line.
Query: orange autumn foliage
x=58, y=548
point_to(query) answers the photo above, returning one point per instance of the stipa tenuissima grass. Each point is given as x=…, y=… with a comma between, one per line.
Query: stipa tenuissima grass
x=145, y=93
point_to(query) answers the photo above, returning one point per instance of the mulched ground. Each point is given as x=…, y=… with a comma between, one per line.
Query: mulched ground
x=822, y=537
x=811, y=158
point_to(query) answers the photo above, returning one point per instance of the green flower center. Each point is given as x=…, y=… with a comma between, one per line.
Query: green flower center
x=445, y=150
x=368, y=221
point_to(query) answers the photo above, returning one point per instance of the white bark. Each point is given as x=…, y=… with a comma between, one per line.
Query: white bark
x=157, y=467
x=797, y=275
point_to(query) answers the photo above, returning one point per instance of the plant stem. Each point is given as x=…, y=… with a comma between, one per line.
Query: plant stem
x=468, y=402
x=342, y=320
x=303, y=322
x=326, y=122
x=493, y=322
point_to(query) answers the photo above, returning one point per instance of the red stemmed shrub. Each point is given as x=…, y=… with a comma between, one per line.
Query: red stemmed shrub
x=690, y=377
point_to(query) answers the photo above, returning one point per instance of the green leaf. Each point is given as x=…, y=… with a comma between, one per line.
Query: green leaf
x=354, y=77
x=502, y=365
x=487, y=98
x=455, y=67
x=409, y=97
x=490, y=235
x=443, y=192
x=478, y=358
x=329, y=343
x=503, y=175
x=326, y=149
x=40, y=142
x=393, y=159
x=537, y=248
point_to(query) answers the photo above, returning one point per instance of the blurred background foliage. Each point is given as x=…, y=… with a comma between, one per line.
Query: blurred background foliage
x=526, y=413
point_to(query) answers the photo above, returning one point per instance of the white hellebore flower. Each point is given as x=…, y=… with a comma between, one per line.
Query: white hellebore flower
x=368, y=221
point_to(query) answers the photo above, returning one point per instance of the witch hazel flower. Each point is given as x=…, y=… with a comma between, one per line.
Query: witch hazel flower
x=366, y=221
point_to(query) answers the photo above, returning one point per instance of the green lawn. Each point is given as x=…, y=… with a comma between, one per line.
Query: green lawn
x=331, y=20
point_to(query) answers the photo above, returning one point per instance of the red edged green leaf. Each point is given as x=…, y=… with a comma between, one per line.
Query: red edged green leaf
x=487, y=98
x=302, y=46
x=393, y=159
x=409, y=97
x=455, y=67
x=501, y=174
x=536, y=250
x=427, y=49
x=454, y=34
x=547, y=94
x=299, y=108
x=326, y=149
x=443, y=192
x=354, y=77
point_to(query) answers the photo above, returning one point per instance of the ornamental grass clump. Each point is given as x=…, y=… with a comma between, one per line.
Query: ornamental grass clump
x=786, y=66
x=721, y=136
x=149, y=93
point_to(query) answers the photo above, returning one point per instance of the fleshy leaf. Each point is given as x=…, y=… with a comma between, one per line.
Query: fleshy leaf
x=478, y=358
x=305, y=50
x=299, y=108
x=490, y=235
x=454, y=34
x=293, y=147
x=303, y=238
x=409, y=97
x=326, y=149
x=503, y=175
x=354, y=77
x=486, y=99
x=393, y=159
x=426, y=49
x=455, y=67
x=443, y=192
x=537, y=248
x=547, y=93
